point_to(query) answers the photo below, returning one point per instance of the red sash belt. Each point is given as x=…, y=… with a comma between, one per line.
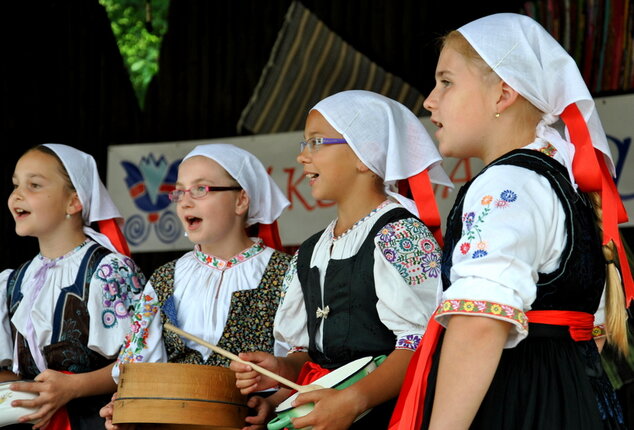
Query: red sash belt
x=408, y=413
x=580, y=324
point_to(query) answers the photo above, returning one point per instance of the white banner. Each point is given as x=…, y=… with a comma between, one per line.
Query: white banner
x=139, y=177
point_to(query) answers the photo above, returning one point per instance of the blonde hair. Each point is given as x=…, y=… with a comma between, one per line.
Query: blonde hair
x=527, y=112
x=615, y=309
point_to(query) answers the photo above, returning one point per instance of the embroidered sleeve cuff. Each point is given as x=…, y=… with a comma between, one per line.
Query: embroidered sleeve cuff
x=598, y=331
x=136, y=341
x=485, y=309
x=409, y=342
x=295, y=349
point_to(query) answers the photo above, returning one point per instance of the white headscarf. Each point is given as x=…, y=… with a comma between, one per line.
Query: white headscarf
x=267, y=202
x=525, y=56
x=386, y=136
x=97, y=205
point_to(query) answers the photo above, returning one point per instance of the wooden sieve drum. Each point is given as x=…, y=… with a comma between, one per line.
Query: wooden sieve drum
x=179, y=396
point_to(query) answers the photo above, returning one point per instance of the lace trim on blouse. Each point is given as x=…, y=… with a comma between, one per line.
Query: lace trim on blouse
x=356, y=224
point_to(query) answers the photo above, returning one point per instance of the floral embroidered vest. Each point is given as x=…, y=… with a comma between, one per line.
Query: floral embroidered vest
x=577, y=283
x=249, y=324
x=352, y=328
x=69, y=341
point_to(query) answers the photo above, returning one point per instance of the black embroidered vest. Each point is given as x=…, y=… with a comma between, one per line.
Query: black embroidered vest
x=352, y=328
x=68, y=349
x=577, y=284
x=249, y=324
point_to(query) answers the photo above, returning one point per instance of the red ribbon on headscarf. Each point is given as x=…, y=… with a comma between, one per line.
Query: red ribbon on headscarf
x=110, y=228
x=422, y=192
x=591, y=174
x=409, y=410
x=270, y=235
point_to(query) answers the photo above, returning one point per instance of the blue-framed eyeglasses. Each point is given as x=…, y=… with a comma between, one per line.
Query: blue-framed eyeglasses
x=198, y=192
x=314, y=143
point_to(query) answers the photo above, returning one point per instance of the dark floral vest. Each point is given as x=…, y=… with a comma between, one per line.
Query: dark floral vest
x=69, y=341
x=249, y=324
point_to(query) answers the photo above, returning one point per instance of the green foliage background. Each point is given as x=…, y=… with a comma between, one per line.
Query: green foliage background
x=138, y=38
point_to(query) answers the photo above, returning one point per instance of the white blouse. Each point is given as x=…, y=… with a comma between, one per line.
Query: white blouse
x=203, y=287
x=513, y=229
x=406, y=274
x=114, y=289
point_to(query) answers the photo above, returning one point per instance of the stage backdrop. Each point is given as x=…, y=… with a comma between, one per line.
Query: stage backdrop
x=139, y=177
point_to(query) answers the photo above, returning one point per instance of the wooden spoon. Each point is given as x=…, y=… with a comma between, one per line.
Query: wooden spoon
x=231, y=356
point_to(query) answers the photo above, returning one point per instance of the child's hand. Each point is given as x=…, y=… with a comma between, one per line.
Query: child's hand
x=334, y=410
x=106, y=412
x=250, y=381
x=55, y=389
x=264, y=413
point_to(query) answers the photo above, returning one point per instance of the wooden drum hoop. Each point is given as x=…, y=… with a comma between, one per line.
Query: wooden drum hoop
x=179, y=396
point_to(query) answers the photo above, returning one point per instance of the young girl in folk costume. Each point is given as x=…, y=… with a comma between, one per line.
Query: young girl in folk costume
x=226, y=290
x=367, y=284
x=523, y=266
x=69, y=308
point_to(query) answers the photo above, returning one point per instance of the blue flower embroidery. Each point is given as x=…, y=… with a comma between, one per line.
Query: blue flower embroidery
x=472, y=223
x=508, y=195
x=468, y=220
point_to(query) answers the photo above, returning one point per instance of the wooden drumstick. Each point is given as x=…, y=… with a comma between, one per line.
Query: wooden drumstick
x=231, y=356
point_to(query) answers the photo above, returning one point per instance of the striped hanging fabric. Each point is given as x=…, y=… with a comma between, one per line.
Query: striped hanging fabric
x=308, y=63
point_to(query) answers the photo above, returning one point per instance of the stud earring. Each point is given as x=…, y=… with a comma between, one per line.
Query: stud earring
x=68, y=216
x=497, y=114
x=185, y=234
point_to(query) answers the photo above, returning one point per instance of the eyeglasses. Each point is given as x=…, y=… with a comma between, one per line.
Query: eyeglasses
x=197, y=192
x=314, y=143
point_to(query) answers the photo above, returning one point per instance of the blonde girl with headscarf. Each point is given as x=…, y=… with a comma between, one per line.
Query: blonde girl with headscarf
x=69, y=308
x=367, y=284
x=523, y=267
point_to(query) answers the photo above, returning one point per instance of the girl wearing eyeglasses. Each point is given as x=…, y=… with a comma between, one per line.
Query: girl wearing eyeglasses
x=368, y=283
x=230, y=282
